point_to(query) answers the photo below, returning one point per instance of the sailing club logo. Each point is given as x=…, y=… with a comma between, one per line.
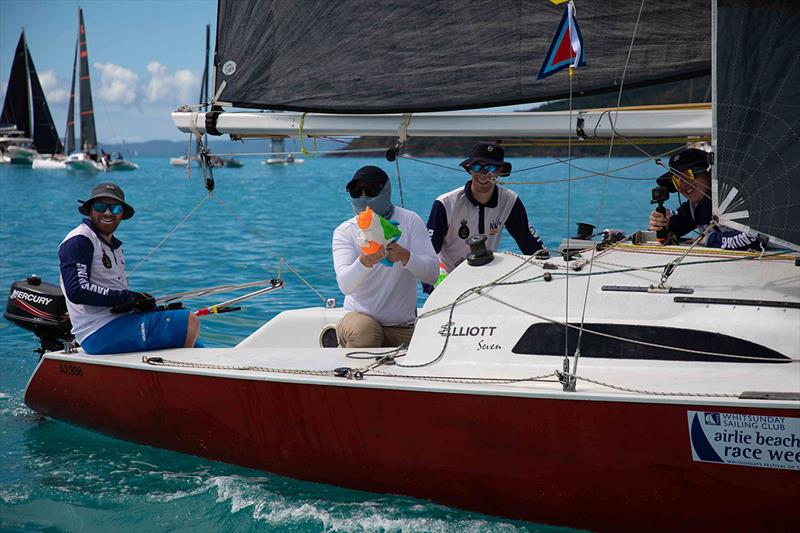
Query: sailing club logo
x=463, y=231
x=106, y=260
x=452, y=330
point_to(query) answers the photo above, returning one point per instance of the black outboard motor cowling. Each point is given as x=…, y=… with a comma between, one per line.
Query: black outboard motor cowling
x=40, y=307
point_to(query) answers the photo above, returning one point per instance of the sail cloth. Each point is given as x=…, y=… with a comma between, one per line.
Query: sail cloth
x=16, y=106
x=25, y=105
x=45, y=135
x=70, y=135
x=363, y=56
x=758, y=116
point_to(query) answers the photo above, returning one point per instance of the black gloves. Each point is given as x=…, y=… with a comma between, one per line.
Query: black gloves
x=141, y=303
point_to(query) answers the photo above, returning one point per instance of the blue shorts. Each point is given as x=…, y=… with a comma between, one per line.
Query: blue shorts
x=139, y=332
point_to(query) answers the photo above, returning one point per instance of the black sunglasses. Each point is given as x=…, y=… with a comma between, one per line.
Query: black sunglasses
x=370, y=190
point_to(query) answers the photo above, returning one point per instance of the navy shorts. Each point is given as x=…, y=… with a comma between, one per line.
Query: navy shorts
x=139, y=332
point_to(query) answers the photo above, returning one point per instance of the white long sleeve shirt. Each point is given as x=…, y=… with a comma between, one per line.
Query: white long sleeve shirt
x=388, y=294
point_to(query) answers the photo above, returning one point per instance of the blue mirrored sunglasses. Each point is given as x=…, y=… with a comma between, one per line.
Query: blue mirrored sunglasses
x=477, y=167
x=101, y=207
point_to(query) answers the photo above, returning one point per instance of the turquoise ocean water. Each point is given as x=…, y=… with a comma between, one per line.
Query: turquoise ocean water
x=57, y=477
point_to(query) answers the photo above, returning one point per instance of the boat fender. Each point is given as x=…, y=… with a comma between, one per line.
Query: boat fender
x=478, y=254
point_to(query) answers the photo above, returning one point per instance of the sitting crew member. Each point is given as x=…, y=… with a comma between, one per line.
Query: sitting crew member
x=95, y=284
x=690, y=175
x=381, y=300
x=480, y=206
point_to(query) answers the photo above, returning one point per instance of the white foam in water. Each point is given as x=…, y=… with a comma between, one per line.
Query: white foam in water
x=278, y=511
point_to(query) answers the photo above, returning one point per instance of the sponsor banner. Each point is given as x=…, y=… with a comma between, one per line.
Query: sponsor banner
x=747, y=440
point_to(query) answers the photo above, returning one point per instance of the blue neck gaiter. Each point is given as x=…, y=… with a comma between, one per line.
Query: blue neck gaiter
x=381, y=204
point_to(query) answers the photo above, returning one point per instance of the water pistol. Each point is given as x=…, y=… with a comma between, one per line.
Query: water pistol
x=375, y=231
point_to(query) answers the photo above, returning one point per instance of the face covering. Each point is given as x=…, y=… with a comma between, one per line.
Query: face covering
x=381, y=204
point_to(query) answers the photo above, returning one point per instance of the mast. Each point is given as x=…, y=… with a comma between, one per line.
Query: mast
x=16, y=107
x=70, y=133
x=204, y=82
x=88, y=132
x=28, y=92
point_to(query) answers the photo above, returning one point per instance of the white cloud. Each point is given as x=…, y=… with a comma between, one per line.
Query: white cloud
x=51, y=87
x=118, y=85
x=176, y=88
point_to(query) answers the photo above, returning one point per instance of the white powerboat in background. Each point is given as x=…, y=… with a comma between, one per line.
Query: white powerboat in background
x=85, y=162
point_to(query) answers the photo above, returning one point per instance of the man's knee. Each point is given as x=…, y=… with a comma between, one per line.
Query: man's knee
x=192, y=330
x=359, y=330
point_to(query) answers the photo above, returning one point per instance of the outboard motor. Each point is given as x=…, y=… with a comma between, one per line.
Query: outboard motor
x=40, y=307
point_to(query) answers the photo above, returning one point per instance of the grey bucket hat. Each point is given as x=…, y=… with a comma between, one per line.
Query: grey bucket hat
x=107, y=190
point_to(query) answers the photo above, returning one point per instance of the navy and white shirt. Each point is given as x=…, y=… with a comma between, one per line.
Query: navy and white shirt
x=689, y=217
x=457, y=215
x=93, y=278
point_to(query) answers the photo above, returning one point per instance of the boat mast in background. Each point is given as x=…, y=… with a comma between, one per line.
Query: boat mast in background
x=88, y=132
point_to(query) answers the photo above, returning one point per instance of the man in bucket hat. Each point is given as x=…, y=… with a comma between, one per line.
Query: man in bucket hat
x=690, y=175
x=480, y=207
x=107, y=317
x=381, y=300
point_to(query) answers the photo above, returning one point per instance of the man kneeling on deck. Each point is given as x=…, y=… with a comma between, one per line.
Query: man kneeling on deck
x=380, y=296
x=106, y=317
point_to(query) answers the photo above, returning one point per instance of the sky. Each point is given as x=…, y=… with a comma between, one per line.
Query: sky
x=145, y=56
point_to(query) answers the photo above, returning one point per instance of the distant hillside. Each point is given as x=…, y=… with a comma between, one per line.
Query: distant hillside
x=679, y=92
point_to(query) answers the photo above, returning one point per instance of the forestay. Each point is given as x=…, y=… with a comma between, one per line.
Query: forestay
x=758, y=117
x=363, y=56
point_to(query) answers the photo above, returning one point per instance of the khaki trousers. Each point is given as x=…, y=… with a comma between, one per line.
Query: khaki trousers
x=359, y=330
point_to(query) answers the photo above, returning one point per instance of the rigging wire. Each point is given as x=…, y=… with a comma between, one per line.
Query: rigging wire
x=577, y=354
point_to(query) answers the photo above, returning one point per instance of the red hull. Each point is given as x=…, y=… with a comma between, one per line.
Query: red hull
x=587, y=464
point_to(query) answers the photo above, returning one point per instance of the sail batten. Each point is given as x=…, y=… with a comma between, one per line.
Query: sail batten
x=413, y=56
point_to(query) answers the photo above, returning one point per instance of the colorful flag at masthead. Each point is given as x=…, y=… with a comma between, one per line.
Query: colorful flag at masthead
x=566, y=50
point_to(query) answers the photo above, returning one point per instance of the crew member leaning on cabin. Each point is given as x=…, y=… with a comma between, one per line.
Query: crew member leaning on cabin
x=480, y=207
x=107, y=317
x=381, y=300
x=690, y=176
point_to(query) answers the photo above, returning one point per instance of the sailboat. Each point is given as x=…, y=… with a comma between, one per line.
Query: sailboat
x=215, y=161
x=29, y=128
x=86, y=156
x=621, y=385
x=284, y=158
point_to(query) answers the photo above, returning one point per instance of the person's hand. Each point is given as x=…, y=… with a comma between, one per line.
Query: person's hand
x=140, y=302
x=395, y=253
x=369, y=260
x=143, y=302
x=658, y=221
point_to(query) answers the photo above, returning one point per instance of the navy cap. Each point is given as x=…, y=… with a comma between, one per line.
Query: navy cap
x=371, y=175
x=488, y=153
x=692, y=159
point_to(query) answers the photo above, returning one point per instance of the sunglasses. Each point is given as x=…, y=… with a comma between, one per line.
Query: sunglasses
x=477, y=167
x=687, y=177
x=101, y=207
x=370, y=190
